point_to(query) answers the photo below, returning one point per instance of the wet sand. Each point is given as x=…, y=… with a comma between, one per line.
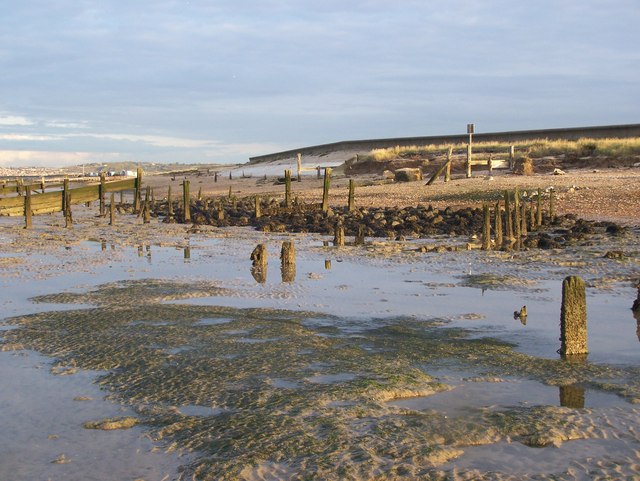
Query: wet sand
x=341, y=374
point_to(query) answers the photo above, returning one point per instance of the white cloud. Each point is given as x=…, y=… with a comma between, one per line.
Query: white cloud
x=27, y=158
x=7, y=120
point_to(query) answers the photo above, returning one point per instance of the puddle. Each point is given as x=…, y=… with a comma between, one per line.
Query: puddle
x=331, y=378
x=284, y=384
x=213, y=322
x=508, y=393
x=200, y=411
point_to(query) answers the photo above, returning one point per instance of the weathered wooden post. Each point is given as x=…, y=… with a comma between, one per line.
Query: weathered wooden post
x=121, y=198
x=101, y=194
x=359, y=238
x=573, y=317
x=512, y=156
x=27, y=208
x=516, y=211
x=327, y=264
x=532, y=219
x=325, y=189
x=112, y=210
x=318, y=172
x=42, y=184
x=486, y=227
x=229, y=194
x=169, y=204
x=259, y=263
x=490, y=164
x=146, y=209
x=230, y=176
x=299, y=167
x=215, y=177
x=436, y=174
x=68, y=219
x=470, y=130
x=258, y=213
x=338, y=238
x=498, y=225
x=199, y=193
x=351, y=203
x=287, y=188
x=523, y=219
x=539, y=209
x=138, y=190
x=447, y=172
x=288, y=261
x=186, y=200
x=552, y=206
x=507, y=212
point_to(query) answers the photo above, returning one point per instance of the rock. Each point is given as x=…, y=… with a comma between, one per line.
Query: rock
x=387, y=174
x=558, y=172
x=408, y=175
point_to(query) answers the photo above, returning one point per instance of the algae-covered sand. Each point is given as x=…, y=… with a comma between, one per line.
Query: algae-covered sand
x=383, y=363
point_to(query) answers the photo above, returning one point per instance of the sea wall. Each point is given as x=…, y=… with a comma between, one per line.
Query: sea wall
x=573, y=133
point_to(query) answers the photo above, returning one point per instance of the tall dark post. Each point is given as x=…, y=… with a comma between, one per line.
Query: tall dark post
x=186, y=200
x=137, y=194
x=486, y=227
x=447, y=172
x=325, y=189
x=351, y=202
x=112, y=210
x=101, y=194
x=287, y=188
x=27, y=208
x=498, y=225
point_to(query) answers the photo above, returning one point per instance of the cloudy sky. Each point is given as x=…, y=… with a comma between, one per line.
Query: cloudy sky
x=222, y=80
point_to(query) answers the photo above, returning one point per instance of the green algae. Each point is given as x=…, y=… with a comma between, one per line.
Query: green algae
x=343, y=429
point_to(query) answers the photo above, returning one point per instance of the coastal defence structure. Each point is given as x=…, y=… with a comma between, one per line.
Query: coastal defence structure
x=572, y=133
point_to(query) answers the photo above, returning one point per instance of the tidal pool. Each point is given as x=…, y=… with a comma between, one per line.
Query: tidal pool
x=383, y=363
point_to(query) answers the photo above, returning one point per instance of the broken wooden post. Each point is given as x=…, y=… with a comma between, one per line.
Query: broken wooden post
x=287, y=188
x=325, y=189
x=552, y=206
x=259, y=263
x=258, y=214
x=199, y=193
x=437, y=174
x=186, y=201
x=573, y=317
x=299, y=167
x=101, y=194
x=498, y=225
x=539, y=209
x=486, y=227
x=138, y=190
x=359, y=238
x=112, y=210
x=288, y=261
x=338, y=238
x=27, y=208
x=351, y=203
x=447, y=172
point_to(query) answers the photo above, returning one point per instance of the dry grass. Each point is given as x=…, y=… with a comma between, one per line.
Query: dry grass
x=618, y=148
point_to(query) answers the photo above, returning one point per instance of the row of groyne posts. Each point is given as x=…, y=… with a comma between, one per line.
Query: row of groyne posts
x=29, y=199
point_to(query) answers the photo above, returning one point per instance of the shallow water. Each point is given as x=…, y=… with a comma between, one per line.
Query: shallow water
x=370, y=306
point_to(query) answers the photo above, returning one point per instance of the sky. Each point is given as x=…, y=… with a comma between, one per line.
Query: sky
x=222, y=80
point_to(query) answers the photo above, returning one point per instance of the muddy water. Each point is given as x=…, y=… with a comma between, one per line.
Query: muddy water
x=382, y=362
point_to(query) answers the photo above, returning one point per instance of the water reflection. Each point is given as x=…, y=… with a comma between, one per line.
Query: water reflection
x=259, y=273
x=327, y=264
x=288, y=272
x=572, y=396
x=187, y=254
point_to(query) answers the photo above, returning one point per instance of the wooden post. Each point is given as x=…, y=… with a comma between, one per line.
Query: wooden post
x=169, y=204
x=573, y=317
x=121, y=197
x=200, y=193
x=338, y=238
x=507, y=212
x=112, y=210
x=215, y=177
x=437, y=174
x=359, y=239
x=68, y=219
x=539, y=209
x=490, y=164
x=512, y=156
x=258, y=214
x=42, y=184
x=552, y=206
x=288, y=261
x=532, y=219
x=259, y=256
x=230, y=193
x=325, y=189
x=523, y=219
x=186, y=200
x=498, y=225
x=516, y=212
x=137, y=194
x=101, y=193
x=27, y=208
x=287, y=188
x=352, y=188
x=146, y=209
x=486, y=227
x=230, y=176
x=447, y=172
x=299, y=167
x=318, y=171
x=469, y=158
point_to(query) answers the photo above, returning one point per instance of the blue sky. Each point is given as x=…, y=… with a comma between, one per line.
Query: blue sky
x=220, y=81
